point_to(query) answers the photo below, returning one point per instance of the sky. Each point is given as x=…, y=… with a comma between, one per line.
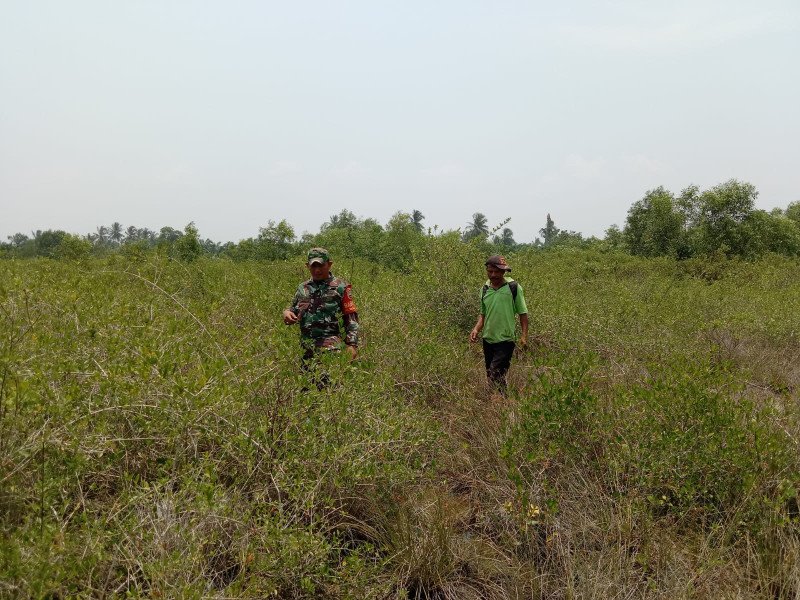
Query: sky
x=231, y=114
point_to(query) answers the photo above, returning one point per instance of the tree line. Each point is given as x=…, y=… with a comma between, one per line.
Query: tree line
x=722, y=219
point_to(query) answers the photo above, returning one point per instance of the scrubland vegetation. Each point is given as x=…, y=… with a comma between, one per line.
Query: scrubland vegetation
x=155, y=442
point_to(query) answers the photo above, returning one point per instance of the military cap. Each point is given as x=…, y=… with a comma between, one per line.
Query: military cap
x=318, y=255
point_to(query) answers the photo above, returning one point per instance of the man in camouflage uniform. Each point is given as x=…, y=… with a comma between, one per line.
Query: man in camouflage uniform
x=317, y=305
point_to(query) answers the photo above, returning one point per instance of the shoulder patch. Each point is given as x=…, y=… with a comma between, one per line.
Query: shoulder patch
x=348, y=306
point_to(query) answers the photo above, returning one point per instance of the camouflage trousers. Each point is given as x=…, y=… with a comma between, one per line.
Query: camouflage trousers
x=311, y=363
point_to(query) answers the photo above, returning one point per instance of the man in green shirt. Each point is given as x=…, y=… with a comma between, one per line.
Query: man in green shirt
x=502, y=299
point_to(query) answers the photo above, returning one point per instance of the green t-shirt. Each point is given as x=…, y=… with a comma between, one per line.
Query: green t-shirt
x=499, y=309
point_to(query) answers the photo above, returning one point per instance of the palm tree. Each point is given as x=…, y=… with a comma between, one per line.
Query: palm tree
x=131, y=234
x=416, y=219
x=116, y=232
x=102, y=235
x=507, y=237
x=478, y=226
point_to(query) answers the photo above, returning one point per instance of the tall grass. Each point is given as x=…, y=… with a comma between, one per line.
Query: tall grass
x=155, y=441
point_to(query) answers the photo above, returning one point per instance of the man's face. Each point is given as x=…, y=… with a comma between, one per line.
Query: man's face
x=320, y=271
x=494, y=274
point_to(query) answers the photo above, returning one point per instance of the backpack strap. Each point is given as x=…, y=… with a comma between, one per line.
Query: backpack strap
x=512, y=285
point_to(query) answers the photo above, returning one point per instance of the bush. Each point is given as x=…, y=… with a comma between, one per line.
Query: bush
x=72, y=247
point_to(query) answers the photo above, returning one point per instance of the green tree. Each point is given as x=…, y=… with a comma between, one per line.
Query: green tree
x=793, y=212
x=614, y=239
x=549, y=231
x=401, y=242
x=72, y=247
x=344, y=220
x=18, y=240
x=168, y=235
x=244, y=250
x=358, y=238
x=721, y=212
x=46, y=242
x=505, y=239
x=569, y=239
x=275, y=241
x=688, y=204
x=762, y=232
x=654, y=226
x=211, y=247
x=188, y=245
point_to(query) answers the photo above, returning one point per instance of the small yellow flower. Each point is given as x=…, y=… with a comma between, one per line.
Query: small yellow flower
x=533, y=510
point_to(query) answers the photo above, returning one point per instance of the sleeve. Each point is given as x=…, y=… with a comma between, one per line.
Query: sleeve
x=351, y=328
x=348, y=306
x=519, y=305
x=349, y=317
x=295, y=308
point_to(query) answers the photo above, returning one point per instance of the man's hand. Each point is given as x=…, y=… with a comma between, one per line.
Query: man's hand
x=473, y=335
x=289, y=317
x=353, y=352
x=523, y=340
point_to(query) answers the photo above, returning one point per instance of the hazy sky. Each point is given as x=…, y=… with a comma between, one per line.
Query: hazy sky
x=229, y=114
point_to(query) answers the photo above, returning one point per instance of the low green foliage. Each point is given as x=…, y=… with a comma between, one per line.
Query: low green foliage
x=155, y=438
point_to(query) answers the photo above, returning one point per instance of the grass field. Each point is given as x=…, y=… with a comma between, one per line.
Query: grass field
x=154, y=441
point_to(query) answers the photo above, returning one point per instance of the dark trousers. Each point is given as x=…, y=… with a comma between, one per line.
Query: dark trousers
x=498, y=360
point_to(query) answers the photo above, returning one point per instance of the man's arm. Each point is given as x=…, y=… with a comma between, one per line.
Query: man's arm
x=351, y=333
x=523, y=320
x=522, y=310
x=292, y=314
x=350, y=321
x=473, y=336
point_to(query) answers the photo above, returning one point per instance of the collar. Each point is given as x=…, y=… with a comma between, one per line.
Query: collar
x=506, y=281
x=324, y=281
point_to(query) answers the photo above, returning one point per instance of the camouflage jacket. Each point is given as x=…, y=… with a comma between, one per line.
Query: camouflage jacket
x=319, y=304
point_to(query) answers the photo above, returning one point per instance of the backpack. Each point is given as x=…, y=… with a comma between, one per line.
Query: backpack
x=512, y=285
